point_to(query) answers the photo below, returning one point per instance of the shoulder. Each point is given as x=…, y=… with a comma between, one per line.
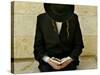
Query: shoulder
x=43, y=15
x=75, y=15
x=43, y=19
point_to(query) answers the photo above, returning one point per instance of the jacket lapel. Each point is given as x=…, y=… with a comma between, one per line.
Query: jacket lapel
x=54, y=31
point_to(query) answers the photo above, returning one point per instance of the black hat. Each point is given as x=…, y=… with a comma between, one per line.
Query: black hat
x=59, y=12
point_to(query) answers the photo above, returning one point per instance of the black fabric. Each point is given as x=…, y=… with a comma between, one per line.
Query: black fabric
x=48, y=42
x=44, y=67
x=59, y=12
x=63, y=33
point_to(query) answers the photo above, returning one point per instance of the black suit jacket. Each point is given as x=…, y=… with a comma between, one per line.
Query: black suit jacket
x=47, y=40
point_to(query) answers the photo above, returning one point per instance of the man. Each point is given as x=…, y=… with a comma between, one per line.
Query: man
x=58, y=40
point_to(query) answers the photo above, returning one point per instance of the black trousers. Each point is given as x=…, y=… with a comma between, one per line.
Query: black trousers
x=45, y=67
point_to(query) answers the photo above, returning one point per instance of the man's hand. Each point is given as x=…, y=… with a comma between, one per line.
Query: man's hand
x=59, y=63
x=55, y=64
x=65, y=62
x=56, y=60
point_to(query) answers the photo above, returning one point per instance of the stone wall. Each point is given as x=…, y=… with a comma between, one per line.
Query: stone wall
x=25, y=16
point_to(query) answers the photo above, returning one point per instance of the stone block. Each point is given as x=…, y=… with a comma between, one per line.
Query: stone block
x=88, y=25
x=24, y=25
x=23, y=47
x=85, y=10
x=90, y=45
x=33, y=8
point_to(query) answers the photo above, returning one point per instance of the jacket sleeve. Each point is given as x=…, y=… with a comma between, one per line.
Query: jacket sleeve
x=78, y=41
x=39, y=50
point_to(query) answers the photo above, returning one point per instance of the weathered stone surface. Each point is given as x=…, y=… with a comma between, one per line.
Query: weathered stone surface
x=26, y=67
x=84, y=10
x=23, y=47
x=90, y=45
x=32, y=66
x=28, y=8
x=24, y=25
x=88, y=25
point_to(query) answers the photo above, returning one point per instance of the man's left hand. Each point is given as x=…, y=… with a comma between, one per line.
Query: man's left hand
x=65, y=62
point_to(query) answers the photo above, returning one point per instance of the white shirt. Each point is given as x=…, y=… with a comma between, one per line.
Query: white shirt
x=59, y=25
